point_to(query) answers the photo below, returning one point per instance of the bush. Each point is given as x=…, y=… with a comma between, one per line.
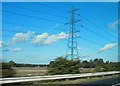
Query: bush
x=63, y=66
x=7, y=70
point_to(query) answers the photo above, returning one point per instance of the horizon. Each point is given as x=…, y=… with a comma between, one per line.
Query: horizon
x=54, y=60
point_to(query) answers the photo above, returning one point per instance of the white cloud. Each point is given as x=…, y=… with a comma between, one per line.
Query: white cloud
x=108, y=46
x=114, y=24
x=45, y=38
x=39, y=39
x=22, y=37
x=54, y=38
x=12, y=50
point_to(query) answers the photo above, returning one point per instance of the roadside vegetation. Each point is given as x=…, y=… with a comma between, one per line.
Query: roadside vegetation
x=65, y=66
x=58, y=66
x=7, y=70
x=12, y=69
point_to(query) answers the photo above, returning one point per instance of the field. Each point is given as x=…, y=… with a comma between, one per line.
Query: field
x=36, y=71
x=29, y=71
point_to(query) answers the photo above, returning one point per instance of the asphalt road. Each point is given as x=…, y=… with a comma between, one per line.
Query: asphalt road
x=105, y=82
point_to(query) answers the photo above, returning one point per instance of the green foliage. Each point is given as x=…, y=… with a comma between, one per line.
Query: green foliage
x=98, y=69
x=63, y=66
x=7, y=70
x=86, y=64
x=12, y=63
x=92, y=63
x=112, y=66
x=118, y=66
x=98, y=62
x=8, y=73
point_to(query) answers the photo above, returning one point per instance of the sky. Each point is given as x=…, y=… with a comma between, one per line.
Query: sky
x=36, y=33
x=60, y=0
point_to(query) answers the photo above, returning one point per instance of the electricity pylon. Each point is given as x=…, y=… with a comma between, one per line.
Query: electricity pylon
x=72, y=52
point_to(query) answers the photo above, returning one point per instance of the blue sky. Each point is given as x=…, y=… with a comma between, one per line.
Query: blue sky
x=35, y=32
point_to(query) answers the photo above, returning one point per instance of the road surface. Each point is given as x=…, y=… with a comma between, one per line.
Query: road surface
x=106, y=82
x=54, y=77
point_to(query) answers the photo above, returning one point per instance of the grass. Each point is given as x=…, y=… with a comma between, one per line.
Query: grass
x=0, y=69
x=30, y=71
x=38, y=71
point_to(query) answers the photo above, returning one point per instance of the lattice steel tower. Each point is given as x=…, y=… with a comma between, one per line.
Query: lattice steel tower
x=72, y=51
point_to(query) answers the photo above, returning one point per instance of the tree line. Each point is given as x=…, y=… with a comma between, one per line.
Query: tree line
x=65, y=66
x=8, y=68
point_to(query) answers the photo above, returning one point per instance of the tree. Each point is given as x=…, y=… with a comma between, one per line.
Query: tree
x=7, y=70
x=63, y=66
x=86, y=64
x=12, y=63
x=98, y=62
x=112, y=66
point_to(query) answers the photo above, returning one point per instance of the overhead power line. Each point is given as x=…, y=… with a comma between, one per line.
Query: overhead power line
x=38, y=11
x=97, y=50
x=87, y=46
x=98, y=44
x=38, y=18
x=92, y=41
x=95, y=25
x=97, y=34
x=6, y=36
x=84, y=27
x=13, y=31
x=46, y=30
x=28, y=25
x=52, y=7
x=71, y=29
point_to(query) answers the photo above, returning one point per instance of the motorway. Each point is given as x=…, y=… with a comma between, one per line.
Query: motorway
x=55, y=77
x=109, y=82
x=106, y=82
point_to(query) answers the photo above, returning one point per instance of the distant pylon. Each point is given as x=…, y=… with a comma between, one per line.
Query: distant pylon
x=72, y=52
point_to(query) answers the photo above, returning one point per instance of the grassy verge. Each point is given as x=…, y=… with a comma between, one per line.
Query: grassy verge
x=29, y=71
